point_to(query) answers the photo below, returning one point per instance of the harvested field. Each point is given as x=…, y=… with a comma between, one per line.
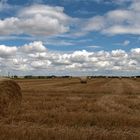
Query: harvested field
x=64, y=109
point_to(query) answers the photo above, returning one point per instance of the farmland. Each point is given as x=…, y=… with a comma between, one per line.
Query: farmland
x=65, y=109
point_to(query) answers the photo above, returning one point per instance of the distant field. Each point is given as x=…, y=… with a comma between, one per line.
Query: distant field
x=65, y=109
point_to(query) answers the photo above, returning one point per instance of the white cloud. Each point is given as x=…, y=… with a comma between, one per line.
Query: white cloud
x=119, y=21
x=119, y=53
x=59, y=42
x=80, y=56
x=95, y=24
x=41, y=20
x=34, y=57
x=36, y=46
x=94, y=47
x=135, y=6
x=44, y=20
x=40, y=64
x=124, y=43
x=6, y=51
x=136, y=51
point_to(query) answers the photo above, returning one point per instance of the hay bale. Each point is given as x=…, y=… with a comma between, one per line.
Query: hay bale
x=83, y=79
x=89, y=77
x=135, y=77
x=10, y=96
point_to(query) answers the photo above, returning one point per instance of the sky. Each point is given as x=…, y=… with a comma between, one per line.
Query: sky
x=70, y=37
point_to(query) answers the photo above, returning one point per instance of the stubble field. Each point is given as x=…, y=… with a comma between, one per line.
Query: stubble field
x=65, y=109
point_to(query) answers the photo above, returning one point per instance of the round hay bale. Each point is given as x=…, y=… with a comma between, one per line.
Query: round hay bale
x=10, y=96
x=83, y=79
x=89, y=77
x=135, y=77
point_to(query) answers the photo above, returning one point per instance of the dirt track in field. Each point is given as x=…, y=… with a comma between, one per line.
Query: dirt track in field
x=121, y=86
x=65, y=109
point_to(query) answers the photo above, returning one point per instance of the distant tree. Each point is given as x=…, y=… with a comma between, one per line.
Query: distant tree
x=15, y=76
x=28, y=76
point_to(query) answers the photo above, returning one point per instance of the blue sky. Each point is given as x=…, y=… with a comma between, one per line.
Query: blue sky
x=70, y=35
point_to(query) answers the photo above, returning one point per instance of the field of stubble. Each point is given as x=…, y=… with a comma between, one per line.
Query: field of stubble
x=65, y=109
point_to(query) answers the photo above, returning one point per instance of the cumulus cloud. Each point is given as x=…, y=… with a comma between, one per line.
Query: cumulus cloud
x=44, y=20
x=41, y=20
x=6, y=51
x=136, y=51
x=119, y=54
x=35, y=57
x=119, y=21
x=38, y=64
x=36, y=46
x=136, y=54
